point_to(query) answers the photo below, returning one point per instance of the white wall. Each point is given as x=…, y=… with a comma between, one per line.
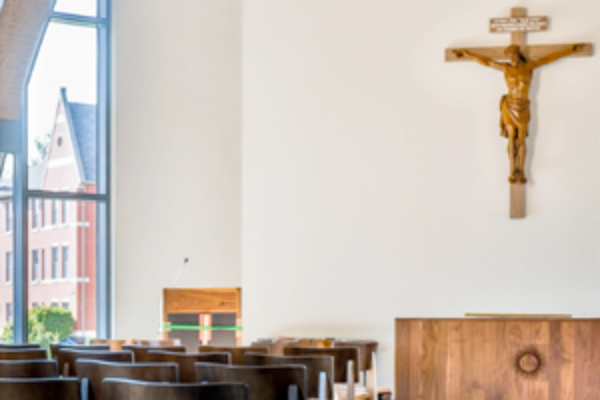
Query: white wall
x=177, y=129
x=375, y=178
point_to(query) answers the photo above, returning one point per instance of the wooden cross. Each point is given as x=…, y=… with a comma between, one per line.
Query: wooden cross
x=518, y=25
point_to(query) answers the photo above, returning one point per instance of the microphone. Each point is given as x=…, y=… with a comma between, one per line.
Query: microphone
x=185, y=261
x=160, y=300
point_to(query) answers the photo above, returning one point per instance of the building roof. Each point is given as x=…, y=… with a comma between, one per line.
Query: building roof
x=84, y=128
x=82, y=119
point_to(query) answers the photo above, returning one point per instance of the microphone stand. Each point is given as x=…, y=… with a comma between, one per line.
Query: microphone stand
x=160, y=303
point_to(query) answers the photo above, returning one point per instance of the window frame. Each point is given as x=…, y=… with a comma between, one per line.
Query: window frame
x=22, y=194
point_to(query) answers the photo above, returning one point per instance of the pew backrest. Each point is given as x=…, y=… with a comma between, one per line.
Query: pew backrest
x=315, y=365
x=186, y=361
x=237, y=353
x=23, y=354
x=341, y=357
x=264, y=383
x=366, y=349
x=67, y=358
x=96, y=371
x=28, y=369
x=40, y=389
x=54, y=347
x=122, y=389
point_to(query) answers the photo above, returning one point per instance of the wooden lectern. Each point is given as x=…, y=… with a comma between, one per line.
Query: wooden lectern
x=493, y=359
x=203, y=301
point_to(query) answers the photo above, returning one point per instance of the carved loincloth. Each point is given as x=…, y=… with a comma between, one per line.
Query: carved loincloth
x=515, y=113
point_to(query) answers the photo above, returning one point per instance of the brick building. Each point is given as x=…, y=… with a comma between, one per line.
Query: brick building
x=62, y=234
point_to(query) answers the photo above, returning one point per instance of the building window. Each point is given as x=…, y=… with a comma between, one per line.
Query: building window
x=43, y=265
x=65, y=305
x=9, y=266
x=55, y=304
x=35, y=304
x=55, y=263
x=64, y=212
x=9, y=312
x=55, y=211
x=36, y=213
x=65, y=261
x=35, y=268
x=8, y=208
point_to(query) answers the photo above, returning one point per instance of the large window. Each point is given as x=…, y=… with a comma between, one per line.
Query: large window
x=65, y=156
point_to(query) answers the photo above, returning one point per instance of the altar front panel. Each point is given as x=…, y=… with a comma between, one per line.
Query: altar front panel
x=497, y=359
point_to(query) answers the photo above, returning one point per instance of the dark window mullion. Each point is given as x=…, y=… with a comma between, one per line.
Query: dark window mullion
x=78, y=20
x=40, y=194
x=21, y=231
x=103, y=209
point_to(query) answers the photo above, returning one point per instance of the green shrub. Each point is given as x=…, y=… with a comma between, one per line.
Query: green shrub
x=47, y=324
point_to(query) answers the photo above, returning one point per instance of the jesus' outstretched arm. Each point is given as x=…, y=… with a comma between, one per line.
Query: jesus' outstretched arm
x=483, y=60
x=558, y=55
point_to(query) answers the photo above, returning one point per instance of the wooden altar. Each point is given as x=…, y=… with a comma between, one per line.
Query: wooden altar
x=203, y=301
x=497, y=359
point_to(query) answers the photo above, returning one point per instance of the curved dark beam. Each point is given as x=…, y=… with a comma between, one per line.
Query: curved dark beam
x=22, y=24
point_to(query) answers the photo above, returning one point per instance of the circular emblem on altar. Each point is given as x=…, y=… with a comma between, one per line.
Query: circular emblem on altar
x=529, y=362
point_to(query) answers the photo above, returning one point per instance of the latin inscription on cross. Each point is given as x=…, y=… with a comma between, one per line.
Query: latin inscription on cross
x=518, y=71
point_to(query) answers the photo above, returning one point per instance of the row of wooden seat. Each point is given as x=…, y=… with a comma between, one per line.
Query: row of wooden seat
x=117, y=389
x=275, y=346
x=366, y=347
x=138, y=353
x=332, y=361
x=263, y=383
x=308, y=378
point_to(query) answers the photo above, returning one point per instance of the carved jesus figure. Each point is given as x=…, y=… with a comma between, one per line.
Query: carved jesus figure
x=515, y=106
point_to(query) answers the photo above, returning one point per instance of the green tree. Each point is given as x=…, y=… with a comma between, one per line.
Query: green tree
x=42, y=145
x=47, y=324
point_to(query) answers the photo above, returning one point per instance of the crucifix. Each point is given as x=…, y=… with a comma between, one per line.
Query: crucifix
x=518, y=72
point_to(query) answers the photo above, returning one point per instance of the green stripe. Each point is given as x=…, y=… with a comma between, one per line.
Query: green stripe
x=201, y=328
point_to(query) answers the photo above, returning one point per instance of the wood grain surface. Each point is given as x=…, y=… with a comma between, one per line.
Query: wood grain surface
x=517, y=201
x=478, y=359
x=202, y=301
x=534, y=52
